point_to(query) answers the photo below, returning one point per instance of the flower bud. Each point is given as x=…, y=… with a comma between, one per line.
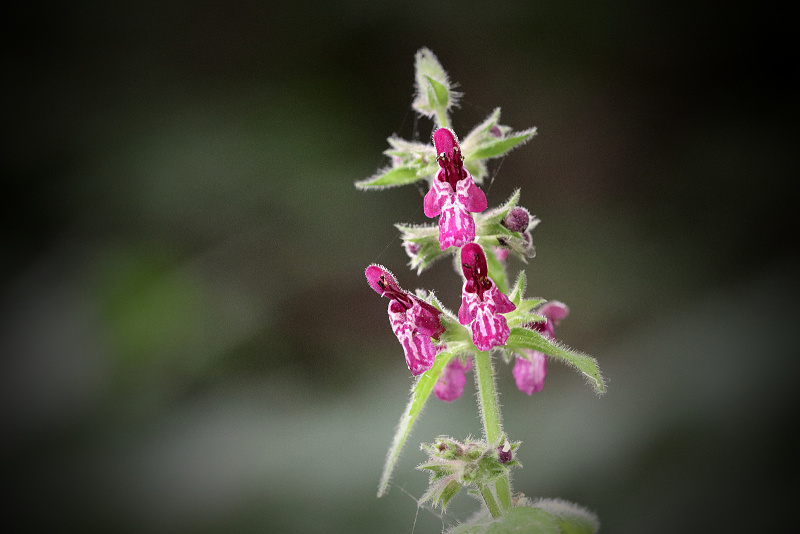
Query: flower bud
x=504, y=453
x=517, y=219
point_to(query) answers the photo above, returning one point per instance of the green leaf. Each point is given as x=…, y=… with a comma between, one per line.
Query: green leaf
x=571, y=518
x=500, y=145
x=518, y=520
x=390, y=177
x=522, y=338
x=419, y=395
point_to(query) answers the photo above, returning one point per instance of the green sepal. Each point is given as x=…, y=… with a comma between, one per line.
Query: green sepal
x=419, y=395
x=491, y=232
x=523, y=338
x=457, y=337
x=471, y=463
x=421, y=156
x=434, y=92
x=390, y=177
x=437, y=94
x=427, y=236
x=515, y=296
x=522, y=315
x=495, y=215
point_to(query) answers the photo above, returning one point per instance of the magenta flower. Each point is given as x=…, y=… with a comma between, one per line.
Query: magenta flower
x=453, y=194
x=413, y=321
x=450, y=385
x=481, y=301
x=529, y=372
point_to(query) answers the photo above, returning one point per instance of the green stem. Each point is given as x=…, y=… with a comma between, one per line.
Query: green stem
x=503, y=489
x=490, y=411
x=490, y=415
x=488, y=498
x=441, y=116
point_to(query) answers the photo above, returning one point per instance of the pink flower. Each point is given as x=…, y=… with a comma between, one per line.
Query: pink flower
x=413, y=321
x=481, y=301
x=529, y=373
x=453, y=194
x=450, y=385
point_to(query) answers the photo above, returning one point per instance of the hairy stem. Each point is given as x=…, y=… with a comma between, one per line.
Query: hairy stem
x=488, y=498
x=442, y=119
x=490, y=415
x=503, y=489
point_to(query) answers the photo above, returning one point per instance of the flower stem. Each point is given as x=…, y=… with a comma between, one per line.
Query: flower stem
x=503, y=489
x=488, y=498
x=442, y=119
x=490, y=414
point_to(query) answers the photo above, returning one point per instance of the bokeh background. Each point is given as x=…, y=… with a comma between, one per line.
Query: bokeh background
x=188, y=342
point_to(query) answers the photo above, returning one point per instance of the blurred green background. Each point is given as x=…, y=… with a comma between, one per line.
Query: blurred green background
x=188, y=342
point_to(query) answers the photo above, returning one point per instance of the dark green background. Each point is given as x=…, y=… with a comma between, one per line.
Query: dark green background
x=188, y=342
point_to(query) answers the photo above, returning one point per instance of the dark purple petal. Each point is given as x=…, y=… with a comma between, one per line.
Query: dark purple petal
x=448, y=155
x=473, y=265
x=382, y=280
x=445, y=141
x=504, y=453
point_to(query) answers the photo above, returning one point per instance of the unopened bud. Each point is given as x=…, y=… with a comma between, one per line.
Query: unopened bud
x=504, y=454
x=517, y=220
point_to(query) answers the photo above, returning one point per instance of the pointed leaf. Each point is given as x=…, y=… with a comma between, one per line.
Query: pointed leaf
x=419, y=395
x=390, y=177
x=522, y=338
x=501, y=145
